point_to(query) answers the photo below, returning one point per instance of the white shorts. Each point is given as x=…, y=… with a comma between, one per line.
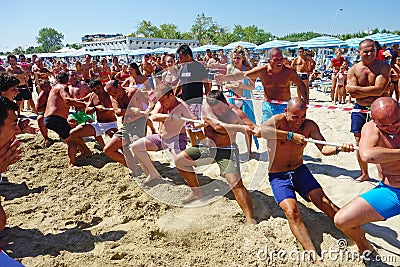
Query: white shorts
x=102, y=127
x=196, y=110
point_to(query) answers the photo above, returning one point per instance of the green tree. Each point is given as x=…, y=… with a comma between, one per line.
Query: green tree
x=168, y=31
x=147, y=29
x=302, y=36
x=49, y=39
x=74, y=46
x=251, y=34
x=205, y=30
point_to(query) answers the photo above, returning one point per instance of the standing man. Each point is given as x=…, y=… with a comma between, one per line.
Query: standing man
x=193, y=77
x=287, y=172
x=222, y=125
x=276, y=79
x=379, y=144
x=56, y=114
x=24, y=93
x=86, y=68
x=304, y=65
x=366, y=81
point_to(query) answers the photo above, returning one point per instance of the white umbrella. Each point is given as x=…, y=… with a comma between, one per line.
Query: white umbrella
x=162, y=50
x=65, y=50
x=384, y=38
x=275, y=44
x=203, y=48
x=322, y=42
x=243, y=44
x=139, y=52
x=353, y=42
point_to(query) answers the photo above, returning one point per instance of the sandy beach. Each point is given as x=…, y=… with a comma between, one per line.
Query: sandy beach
x=98, y=215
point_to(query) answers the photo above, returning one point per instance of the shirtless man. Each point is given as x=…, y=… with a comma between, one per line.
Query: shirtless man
x=130, y=104
x=106, y=123
x=168, y=111
x=24, y=94
x=40, y=72
x=276, y=79
x=304, y=65
x=56, y=114
x=379, y=144
x=222, y=124
x=395, y=76
x=86, y=68
x=287, y=172
x=366, y=81
x=41, y=104
x=78, y=90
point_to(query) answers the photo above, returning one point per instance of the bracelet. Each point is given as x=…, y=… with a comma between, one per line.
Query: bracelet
x=289, y=136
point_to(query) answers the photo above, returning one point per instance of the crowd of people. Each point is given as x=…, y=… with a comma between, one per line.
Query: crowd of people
x=166, y=95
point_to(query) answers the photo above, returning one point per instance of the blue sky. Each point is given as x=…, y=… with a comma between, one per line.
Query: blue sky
x=22, y=19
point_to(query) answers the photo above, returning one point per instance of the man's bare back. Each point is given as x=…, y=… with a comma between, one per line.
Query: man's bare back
x=55, y=103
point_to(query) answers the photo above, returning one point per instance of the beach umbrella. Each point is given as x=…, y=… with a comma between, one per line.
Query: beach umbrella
x=244, y=44
x=353, y=42
x=275, y=44
x=65, y=50
x=384, y=38
x=322, y=42
x=138, y=52
x=162, y=50
x=203, y=48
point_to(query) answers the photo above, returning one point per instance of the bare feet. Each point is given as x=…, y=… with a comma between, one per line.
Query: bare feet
x=250, y=221
x=192, y=196
x=150, y=178
x=363, y=177
x=83, y=155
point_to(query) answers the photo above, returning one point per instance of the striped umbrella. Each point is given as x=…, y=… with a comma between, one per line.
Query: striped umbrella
x=244, y=44
x=322, y=42
x=353, y=42
x=276, y=44
x=203, y=48
x=384, y=38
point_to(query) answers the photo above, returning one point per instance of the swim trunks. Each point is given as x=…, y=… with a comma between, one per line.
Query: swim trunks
x=358, y=119
x=132, y=131
x=58, y=124
x=271, y=109
x=81, y=117
x=227, y=157
x=285, y=184
x=384, y=199
x=303, y=75
x=24, y=94
x=175, y=144
x=102, y=127
x=40, y=113
x=6, y=260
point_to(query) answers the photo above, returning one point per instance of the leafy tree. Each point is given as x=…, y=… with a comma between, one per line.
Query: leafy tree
x=49, y=39
x=168, y=31
x=205, y=29
x=302, y=36
x=251, y=34
x=147, y=29
x=74, y=46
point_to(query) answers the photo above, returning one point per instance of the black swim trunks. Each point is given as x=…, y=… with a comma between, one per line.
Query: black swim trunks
x=58, y=124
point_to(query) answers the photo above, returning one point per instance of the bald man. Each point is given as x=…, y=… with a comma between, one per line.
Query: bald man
x=379, y=144
x=276, y=78
x=287, y=173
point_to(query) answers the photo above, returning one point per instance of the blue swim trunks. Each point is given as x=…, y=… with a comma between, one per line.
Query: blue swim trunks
x=384, y=199
x=270, y=109
x=358, y=119
x=285, y=184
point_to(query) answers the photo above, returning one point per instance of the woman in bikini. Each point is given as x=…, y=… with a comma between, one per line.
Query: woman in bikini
x=115, y=68
x=105, y=71
x=171, y=75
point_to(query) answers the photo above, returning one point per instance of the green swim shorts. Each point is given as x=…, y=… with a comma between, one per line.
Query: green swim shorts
x=81, y=117
x=227, y=157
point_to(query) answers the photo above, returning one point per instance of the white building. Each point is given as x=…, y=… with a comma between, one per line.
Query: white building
x=131, y=43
